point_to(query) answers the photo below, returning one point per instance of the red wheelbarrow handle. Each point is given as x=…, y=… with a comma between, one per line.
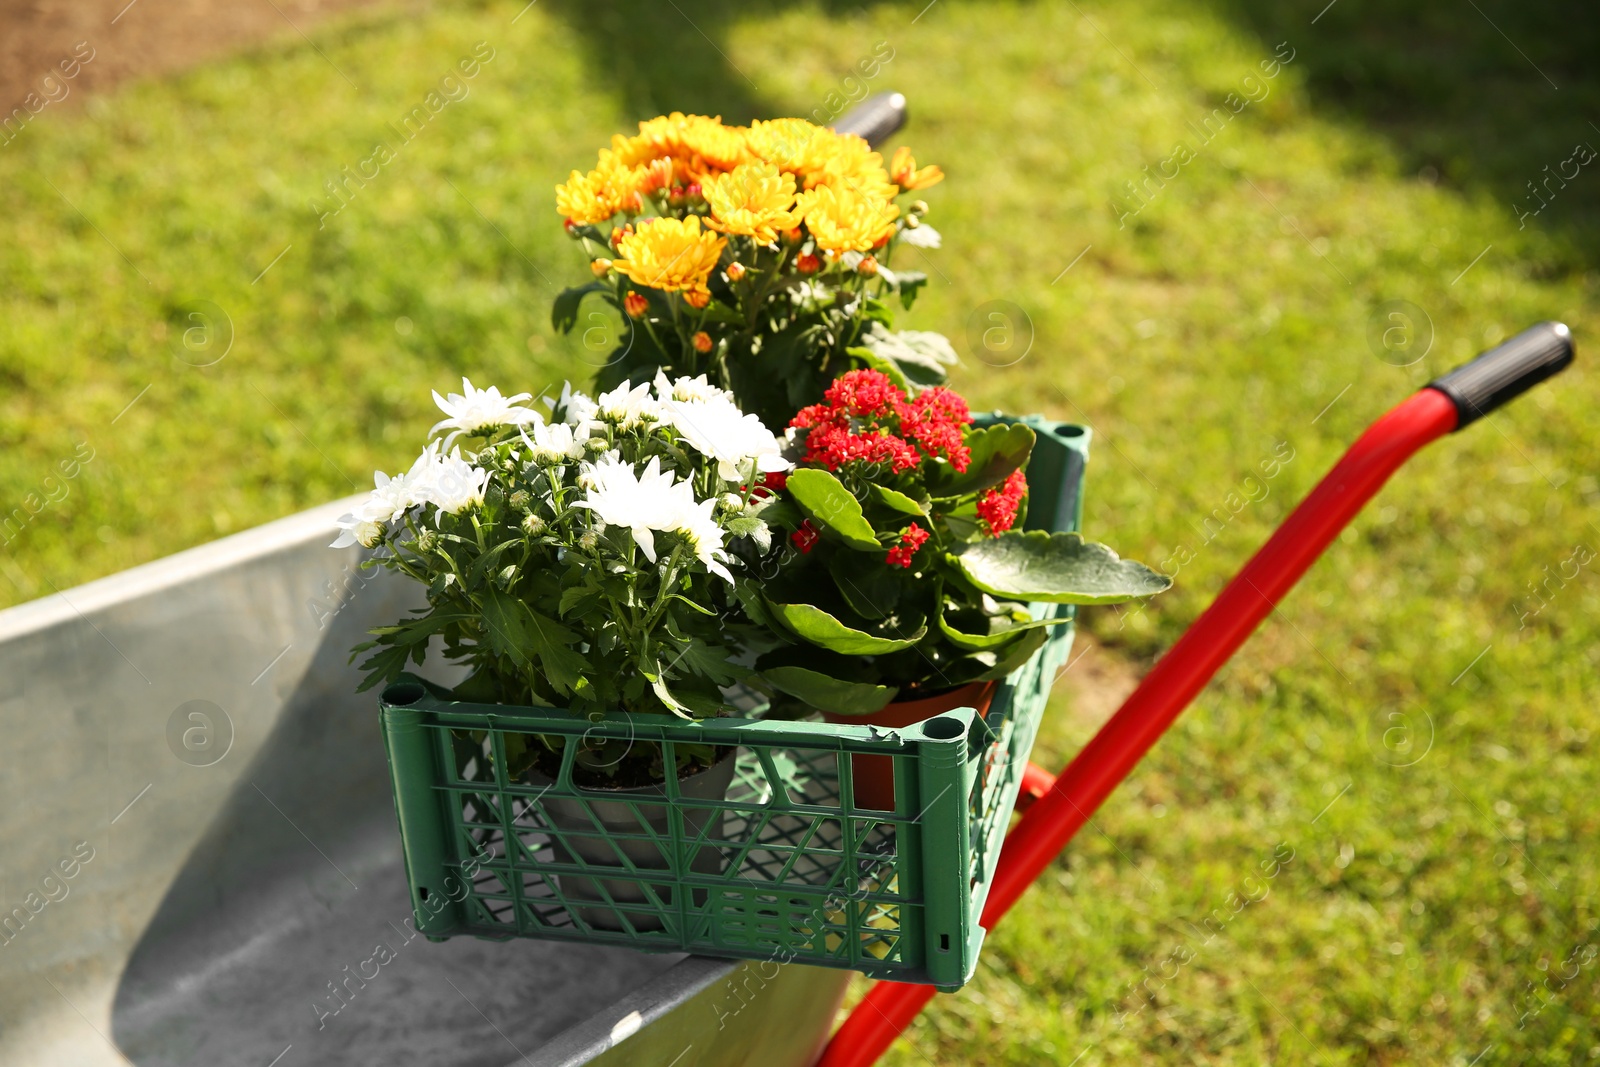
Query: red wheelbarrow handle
x=1444, y=405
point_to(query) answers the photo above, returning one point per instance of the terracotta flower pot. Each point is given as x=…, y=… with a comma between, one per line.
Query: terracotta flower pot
x=873, y=776
x=618, y=816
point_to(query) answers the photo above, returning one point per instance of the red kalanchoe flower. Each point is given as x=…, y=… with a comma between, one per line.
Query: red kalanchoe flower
x=911, y=539
x=832, y=445
x=998, y=507
x=805, y=538
x=775, y=480
x=936, y=421
x=865, y=392
x=867, y=418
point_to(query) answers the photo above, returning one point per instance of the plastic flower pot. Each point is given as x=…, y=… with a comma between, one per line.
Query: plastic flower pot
x=631, y=836
x=873, y=776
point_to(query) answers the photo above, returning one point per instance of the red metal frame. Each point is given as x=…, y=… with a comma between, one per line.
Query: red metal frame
x=1065, y=804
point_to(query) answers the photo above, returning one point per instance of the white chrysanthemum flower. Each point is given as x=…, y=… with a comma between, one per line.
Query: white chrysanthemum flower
x=354, y=530
x=453, y=484
x=700, y=529
x=577, y=410
x=554, y=442
x=643, y=502
x=473, y=410
x=719, y=430
x=690, y=389
x=629, y=407
x=390, y=499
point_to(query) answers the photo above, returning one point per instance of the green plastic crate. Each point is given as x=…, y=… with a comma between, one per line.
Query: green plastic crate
x=798, y=872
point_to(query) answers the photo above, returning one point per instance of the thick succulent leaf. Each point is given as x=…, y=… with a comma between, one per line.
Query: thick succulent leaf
x=1009, y=659
x=998, y=639
x=818, y=627
x=1060, y=568
x=898, y=501
x=996, y=451
x=830, y=694
x=871, y=588
x=827, y=502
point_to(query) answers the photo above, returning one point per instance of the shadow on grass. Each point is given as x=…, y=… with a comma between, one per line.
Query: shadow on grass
x=1484, y=96
x=664, y=56
x=1479, y=95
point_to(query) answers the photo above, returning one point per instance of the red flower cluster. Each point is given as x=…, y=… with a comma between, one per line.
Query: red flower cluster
x=867, y=418
x=998, y=507
x=806, y=537
x=911, y=539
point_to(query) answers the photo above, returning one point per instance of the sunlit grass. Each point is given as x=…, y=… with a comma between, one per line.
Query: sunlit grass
x=1225, y=326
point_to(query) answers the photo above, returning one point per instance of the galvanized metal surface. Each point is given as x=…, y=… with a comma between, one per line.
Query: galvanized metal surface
x=199, y=862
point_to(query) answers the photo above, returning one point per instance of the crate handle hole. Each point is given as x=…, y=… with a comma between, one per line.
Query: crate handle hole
x=944, y=942
x=422, y=891
x=403, y=693
x=944, y=728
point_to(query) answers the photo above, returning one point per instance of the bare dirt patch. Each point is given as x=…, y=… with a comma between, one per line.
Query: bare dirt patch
x=141, y=39
x=1097, y=680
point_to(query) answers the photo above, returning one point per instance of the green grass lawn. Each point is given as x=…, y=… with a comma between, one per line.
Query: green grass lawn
x=1408, y=727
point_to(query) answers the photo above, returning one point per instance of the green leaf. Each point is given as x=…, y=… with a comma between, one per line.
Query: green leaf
x=479, y=688
x=830, y=694
x=564, y=309
x=1013, y=657
x=578, y=599
x=515, y=628
x=749, y=596
x=998, y=639
x=712, y=663
x=825, y=500
x=821, y=629
x=899, y=501
x=1060, y=568
x=870, y=586
x=996, y=451
x=923, y=357
x=910, y=281
x=717, y=311
x=658, y=682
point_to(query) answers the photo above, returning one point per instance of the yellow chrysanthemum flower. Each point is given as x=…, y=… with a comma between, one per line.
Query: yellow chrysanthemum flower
x=670, y=254
x=794, y=145
x=698, y=145
x=753, y=200
x=903, y=170
x=851, y=163
x=589, y=199
x=843, y=219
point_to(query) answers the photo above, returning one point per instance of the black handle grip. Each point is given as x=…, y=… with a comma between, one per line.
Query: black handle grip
x=875, y=118
x=1506, y=371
